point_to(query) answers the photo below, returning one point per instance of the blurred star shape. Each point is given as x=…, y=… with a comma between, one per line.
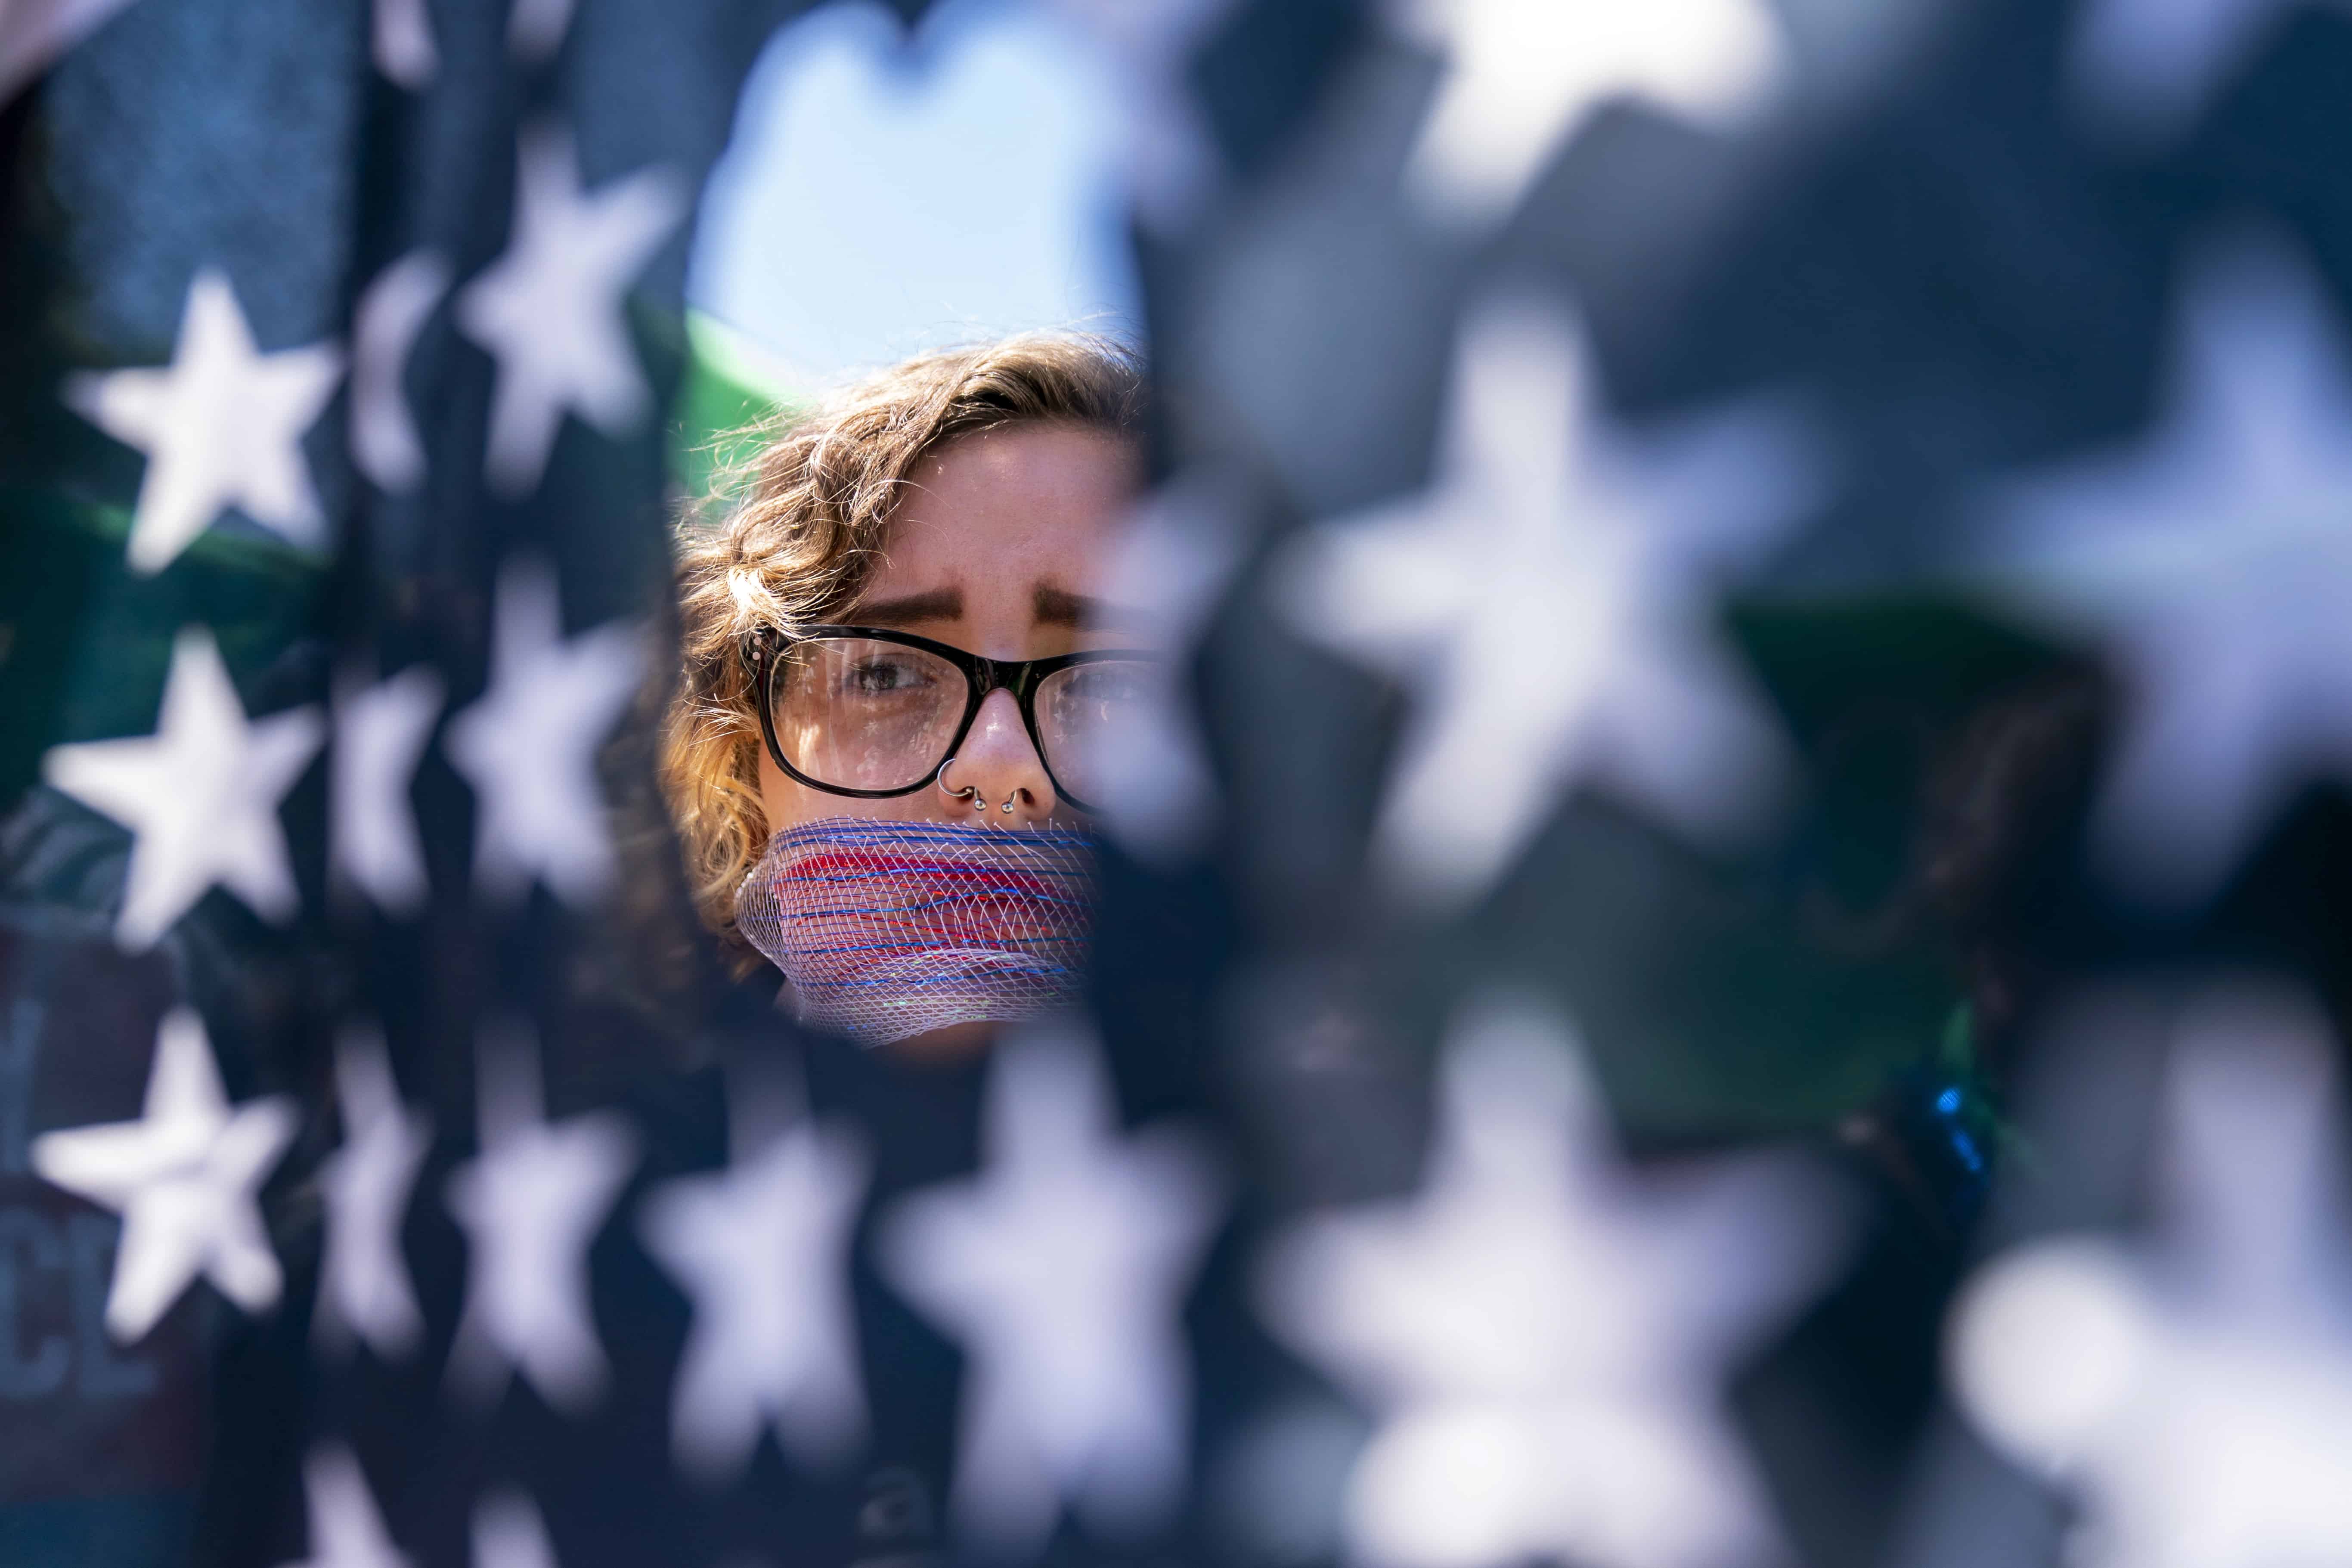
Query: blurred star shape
x=200, y=796
x=1148, y=47
x=1543, y=1335
x=363, y=1287
x=1521, y=77
x=1062, y=1269
x=34, y=32
x=2213, y=559
x=531, y=1202
x=222, y=426
x=401, y=38
x=2190, y=1392
x=1171, y=560
x=2146, y=70
x=529, y=745
x=535, y=28
x=182, y=1177
x=347, y=1528
x=762, y=1247
x=381, y=732
x=509, y=1532
x=550, y=309
x=1547, y=602
x=391, y=311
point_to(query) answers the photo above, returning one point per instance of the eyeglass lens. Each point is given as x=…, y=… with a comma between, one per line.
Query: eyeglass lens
x=860, y=713
x=863, y=714
x=1081, y=711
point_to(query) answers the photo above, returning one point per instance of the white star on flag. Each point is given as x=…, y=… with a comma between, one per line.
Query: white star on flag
x=2213, y=557
x=509, y=1533
x=1548, y=603
x=535, y=28
x=200, y=796
x=1062, y=1267
x=182, y=1177
x=531, y=1202
x=1174, y=555
x=221, y=426
x=1521, y=77
x=363, y=1287
x=2147, y=70
x=347, y=1528
x=32, y=33
x=391, y=313
x=2191, y=1393
x=381, y=732
x=550, y=308
x=400, y=35
x=762, y=1247
x=1147, y=46
x=529, y=746
x=1542, y=1335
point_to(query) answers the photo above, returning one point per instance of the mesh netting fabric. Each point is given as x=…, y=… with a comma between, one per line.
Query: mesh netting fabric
x=886, y=930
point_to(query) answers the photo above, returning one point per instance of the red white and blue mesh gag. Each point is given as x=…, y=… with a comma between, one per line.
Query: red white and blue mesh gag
x=885, y=930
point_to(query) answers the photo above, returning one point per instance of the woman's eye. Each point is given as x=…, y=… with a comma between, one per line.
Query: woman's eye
x=882, y=677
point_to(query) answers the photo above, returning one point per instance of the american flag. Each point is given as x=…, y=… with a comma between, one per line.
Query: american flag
x=1728, y=951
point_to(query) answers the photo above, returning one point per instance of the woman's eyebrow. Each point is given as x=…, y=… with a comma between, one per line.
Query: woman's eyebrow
x=1058, y=606
x=911, y=609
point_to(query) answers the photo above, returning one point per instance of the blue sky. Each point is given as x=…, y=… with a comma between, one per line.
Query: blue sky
x=883, y=196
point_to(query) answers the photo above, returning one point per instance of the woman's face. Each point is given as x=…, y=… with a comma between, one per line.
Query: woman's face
x=991, y=549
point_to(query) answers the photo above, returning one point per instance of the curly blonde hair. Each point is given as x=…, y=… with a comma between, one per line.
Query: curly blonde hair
x=795, y=530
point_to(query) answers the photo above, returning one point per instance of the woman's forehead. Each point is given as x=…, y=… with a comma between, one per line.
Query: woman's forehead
x=1021, y=472
x=1005, y=513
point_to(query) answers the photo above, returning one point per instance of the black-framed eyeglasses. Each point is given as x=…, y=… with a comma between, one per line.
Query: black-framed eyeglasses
x=859, y=710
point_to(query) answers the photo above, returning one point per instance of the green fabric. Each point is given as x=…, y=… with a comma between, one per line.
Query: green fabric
x=725, y=392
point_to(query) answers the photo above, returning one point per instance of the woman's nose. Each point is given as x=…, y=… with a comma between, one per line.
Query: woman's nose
x=998, y=761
